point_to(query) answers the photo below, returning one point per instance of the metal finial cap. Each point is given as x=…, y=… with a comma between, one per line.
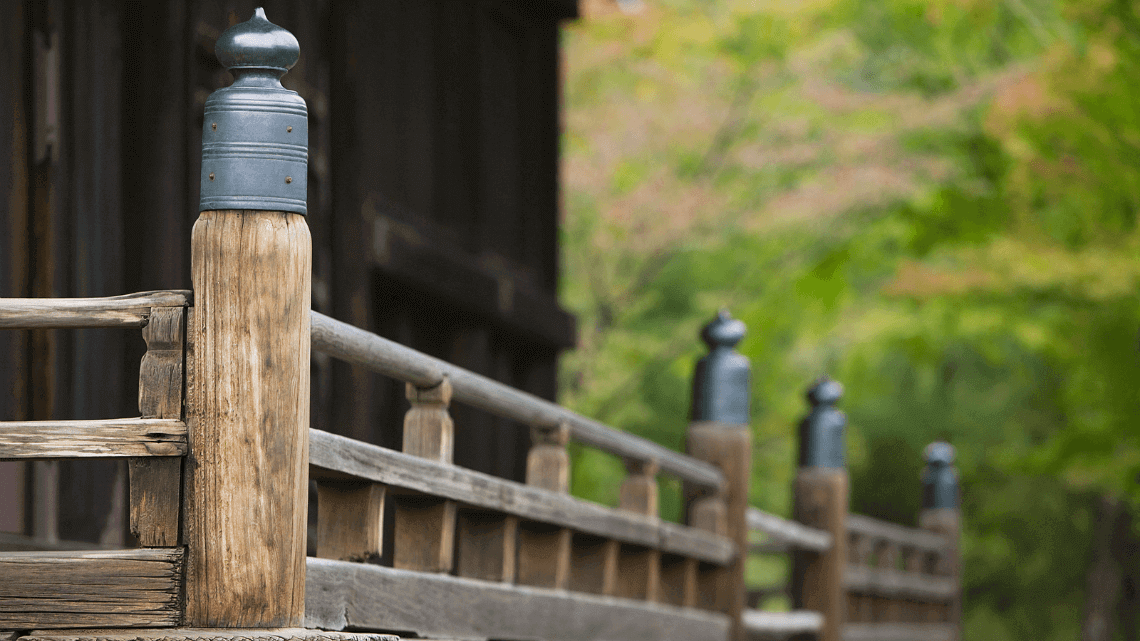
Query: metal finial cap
x=257, y=43
x=822, y=430
x=255, y=136
x=939, y=453
x=723, y=331
x=824, y=391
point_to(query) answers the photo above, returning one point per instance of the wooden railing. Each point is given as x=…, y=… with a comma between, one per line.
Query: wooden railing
x=479, y=556
x=107, y=588
x=221, y=456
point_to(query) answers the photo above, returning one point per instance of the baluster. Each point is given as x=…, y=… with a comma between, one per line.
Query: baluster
x=720, y=434
x=860, y=604
x=886, y=608
x=941, y=514
x=639, y=568
x=821, y=492
x=424, y=535
x=155, y=493
x=246, y=475
x=544, y=550
x=913, y=560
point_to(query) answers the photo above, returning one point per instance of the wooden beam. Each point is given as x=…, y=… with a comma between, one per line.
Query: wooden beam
x=104, y=588
x=898, y=534
x=350, y=520
x=786, y=533
x=198, y=634
x=781, y=625
x=898, y=632
x=334, y=456
x=131, y=310
x=246, y=477
x=341, y=595
x=102, y=438
x=897, y=584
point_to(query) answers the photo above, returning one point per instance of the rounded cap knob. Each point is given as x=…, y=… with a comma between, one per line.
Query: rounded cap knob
x=825, y=392
x=939, y=453
x=723, y=331
x=257, y=43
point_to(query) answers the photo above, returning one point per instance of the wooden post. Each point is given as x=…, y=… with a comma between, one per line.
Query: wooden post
x=246, y=475
x=941, y=500
x=544, y=550
x=821, y=491
x=425, y=525
x=720, y=434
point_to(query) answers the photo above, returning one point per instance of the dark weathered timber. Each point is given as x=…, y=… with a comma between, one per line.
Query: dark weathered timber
x=340, y=595
x=204, y=634
x=780, y=625
x=790, y=533
x=896, y=584
x=335, y=456
x=897, y=632
x=131, y=310
x=360, y=347
x=108, y=588
x=898, y=534
x=103, y=438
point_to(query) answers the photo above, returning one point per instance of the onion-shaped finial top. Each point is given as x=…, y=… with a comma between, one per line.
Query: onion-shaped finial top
x=939, y=453
x=257, y=44
x=723, y=331
x=825, y=391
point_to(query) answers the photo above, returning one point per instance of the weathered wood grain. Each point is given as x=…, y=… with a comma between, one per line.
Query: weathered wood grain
x=728, y=446
x=897, y=632
x=246, y=476
x=639, y=569
x=789, y=533
x=424, y=535
x=335, y=456
x=100, y=588
x=131, y=310
x=342, y=594
x=821, y=496
x=156, y=485
x=898, y=534
x=350, y=519
x=202, y=634
x=102, y=438
x=780, y=625
x=544, y=550
x=360, y=347
x=897, y=584
x=486, y=544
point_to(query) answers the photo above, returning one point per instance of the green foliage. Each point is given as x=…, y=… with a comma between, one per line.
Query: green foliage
x=935, y=202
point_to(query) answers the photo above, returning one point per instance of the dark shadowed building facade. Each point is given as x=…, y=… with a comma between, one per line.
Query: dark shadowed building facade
x=433, y=207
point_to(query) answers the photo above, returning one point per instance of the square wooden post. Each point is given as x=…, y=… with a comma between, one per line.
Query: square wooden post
x=821, y=501
x=720, y=434
x=246, y=473
x=941, y=513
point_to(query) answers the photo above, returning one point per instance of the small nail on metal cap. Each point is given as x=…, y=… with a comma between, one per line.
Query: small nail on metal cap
x=255, y=136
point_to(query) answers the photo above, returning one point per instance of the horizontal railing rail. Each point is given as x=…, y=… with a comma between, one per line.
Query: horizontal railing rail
x=130, y=310
x=383, y=356
x=787, y=534
x=897, y=534
x=335, y=456
x=99, y=438
x=781, y=625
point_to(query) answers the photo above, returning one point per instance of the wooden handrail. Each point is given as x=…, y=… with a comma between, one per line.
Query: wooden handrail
x=901, y=535
x=130, y=310
x=101, y=438
x=794, y=535
x=383, y=356
x=781, y=625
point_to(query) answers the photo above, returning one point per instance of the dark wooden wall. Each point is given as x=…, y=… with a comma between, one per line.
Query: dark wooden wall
x=433, y=201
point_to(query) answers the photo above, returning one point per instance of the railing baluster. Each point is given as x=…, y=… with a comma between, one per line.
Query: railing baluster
x=424, y=537
x=639, y=569
x=350, y=518
x=544, y=550
x=155, y=492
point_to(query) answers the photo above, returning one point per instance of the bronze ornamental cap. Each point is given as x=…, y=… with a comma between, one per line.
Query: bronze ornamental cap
x=255, y=136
